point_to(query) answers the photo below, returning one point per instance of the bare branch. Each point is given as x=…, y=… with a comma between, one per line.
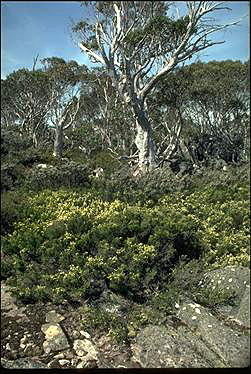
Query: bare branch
x=89, y=52
x=35, y=62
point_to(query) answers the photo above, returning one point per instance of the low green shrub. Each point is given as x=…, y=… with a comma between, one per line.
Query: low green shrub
x=152, y=186
x=98, y=322
x=13, y=208
x=215, y=297
x=68, y=244
x=12, y=175
x=69, y=174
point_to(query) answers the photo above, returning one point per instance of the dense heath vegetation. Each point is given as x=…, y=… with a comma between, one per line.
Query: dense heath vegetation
x=67, y=235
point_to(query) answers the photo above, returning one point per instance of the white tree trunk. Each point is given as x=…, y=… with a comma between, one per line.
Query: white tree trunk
x=58, y=142
x=146, y=147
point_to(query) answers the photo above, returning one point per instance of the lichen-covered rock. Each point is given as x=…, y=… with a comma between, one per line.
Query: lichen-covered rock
x=243, y=314
x=234, y=279
x=203, y=336
x=8, y=304
x=113, y=303
x=165, y=347
x=55, y=338
x=227, y=343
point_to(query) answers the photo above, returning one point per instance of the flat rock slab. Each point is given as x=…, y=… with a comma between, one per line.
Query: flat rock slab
x=230, y=345
x=234, y=279
x=161, y=347
x=203, y=337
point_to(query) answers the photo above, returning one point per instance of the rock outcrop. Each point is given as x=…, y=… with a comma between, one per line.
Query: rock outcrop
x=202, y=337
x=196, y=336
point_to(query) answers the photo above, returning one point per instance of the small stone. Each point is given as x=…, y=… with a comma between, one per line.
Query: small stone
x=60, y=355
x=50, y=331
x=64, y=362
x=52, y=316
x=23, y=340
x=75, y=334
x=7, y=347
x=81, y=365
x=28, y=349
x=53, y=364
x=85, y=334
x=87, y=362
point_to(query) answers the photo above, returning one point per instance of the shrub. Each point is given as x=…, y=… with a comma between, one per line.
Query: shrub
x=12, y=175
x=76, y=239
x=69, y=174
x=13, y=208
x=99, y=321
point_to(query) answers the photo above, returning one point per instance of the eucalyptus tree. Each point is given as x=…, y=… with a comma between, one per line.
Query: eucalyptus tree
x=218, y=107
x=65, y=84
x=139, y=43
x=24, y=102
x=203, y=109
x=167, y=103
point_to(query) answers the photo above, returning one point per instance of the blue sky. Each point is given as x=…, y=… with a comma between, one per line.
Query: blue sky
x=44, y=27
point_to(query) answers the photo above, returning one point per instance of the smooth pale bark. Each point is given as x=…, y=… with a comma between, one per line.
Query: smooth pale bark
x=58, y=142
x=146, y=147
x=144, y=136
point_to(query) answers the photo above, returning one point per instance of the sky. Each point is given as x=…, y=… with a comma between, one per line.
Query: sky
x=29, y=28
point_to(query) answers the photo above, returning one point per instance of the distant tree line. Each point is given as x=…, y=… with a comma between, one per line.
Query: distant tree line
x=199, y=112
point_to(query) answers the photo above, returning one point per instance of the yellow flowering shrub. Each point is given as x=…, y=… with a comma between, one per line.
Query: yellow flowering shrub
x=68, y=244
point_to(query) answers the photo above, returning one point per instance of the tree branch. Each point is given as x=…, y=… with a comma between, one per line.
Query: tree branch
x=91, y=53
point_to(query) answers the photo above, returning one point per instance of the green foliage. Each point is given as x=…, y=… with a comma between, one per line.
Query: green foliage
x=104, y=160
x=13, y=207
x=69, y=174
x=213, y=297
x=99, y=321
x=164, y=29
x=12, y=175
x=80, y=241
x=12, y=143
